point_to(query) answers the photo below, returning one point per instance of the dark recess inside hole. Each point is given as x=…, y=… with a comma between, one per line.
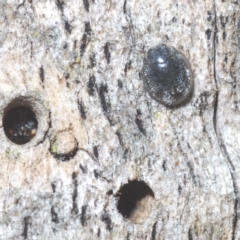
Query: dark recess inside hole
x=129, y=194
x=20, y=124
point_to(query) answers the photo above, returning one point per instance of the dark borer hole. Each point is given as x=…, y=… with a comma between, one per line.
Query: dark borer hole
x=20, y=124
x=129, y=194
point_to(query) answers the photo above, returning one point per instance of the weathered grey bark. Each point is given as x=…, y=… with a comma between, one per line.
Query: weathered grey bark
x=78, y=63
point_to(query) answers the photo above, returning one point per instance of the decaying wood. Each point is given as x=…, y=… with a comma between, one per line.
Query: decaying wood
x=78, y=63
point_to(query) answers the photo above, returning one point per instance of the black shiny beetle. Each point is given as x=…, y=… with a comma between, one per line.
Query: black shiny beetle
x=167, y=75
x=20, y=125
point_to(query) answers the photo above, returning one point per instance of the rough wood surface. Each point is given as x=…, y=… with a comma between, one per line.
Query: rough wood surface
x=77, y=63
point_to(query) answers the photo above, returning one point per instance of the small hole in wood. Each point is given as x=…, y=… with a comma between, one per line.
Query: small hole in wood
x=135, y=201
x=20, y=124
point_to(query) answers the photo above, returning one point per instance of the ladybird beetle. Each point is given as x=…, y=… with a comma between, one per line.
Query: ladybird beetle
x=167, y=75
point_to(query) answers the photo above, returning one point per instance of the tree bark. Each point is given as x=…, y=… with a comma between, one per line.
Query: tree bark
x=76, y=64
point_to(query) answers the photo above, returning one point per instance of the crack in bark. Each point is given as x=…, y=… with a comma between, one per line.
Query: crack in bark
x=218, y=134
x=154, y=231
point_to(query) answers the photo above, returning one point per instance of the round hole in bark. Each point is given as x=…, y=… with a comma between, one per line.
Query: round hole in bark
x=63, y=145
x=25, y=119
x=135, y=200
x=20, y=123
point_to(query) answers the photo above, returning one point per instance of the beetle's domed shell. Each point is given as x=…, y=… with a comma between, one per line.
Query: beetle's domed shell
x=167, y=75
